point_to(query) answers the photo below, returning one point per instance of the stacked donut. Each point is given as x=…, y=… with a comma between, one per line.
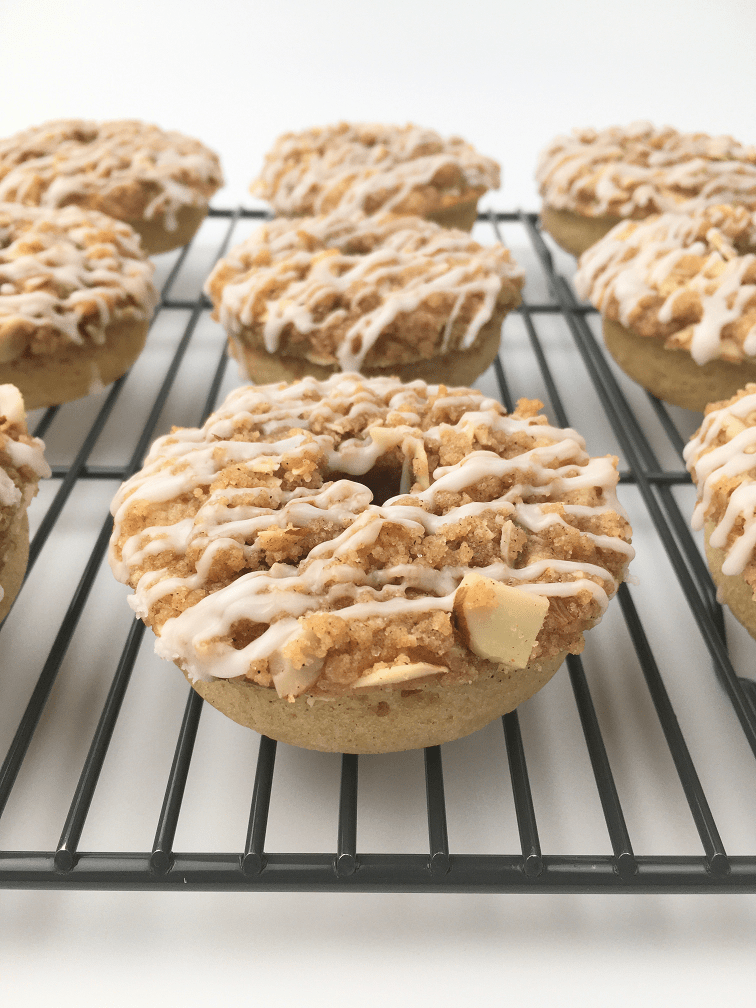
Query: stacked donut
x=81, y=206
x=157, y=182
x=666, y=223
x=76, y=298
x=373, y=282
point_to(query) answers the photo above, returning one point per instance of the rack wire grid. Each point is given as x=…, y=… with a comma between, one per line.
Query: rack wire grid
x=609, y=780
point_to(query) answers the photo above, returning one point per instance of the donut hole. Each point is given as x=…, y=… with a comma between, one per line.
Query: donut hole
x=244, y=631
x=383, y=482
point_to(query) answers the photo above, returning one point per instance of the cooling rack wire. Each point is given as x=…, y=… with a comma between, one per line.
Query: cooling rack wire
x=629, y=773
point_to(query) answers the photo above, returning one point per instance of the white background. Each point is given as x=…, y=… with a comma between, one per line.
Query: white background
x=507, y=77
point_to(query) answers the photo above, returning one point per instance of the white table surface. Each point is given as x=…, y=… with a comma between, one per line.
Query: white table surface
x=508, y=78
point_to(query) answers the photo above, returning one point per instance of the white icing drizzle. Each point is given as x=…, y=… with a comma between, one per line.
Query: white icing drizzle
x=639, y=169
x=110, y=166
x=9, y=492
x=728, y=469
x=366, y=167
x=19, y=451
x=331, y=578
x=65, y=275
x=655, y=276
x=344, y=282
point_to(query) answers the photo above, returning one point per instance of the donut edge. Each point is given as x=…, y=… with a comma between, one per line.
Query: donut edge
x=459, y=367
x=73, y=371
x=156, y=237
x=14, y=561
x=382, y=720
x=575, y=232
x=733, y=589
x=461, y=216
x=673, y=375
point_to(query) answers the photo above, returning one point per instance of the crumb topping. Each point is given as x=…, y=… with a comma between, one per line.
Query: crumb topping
x=125, y=168
x=349, y=291
x=689, y=280
x=22, y=464
x=312, y=534
x=367, y=167
x=722, y=462
x=65, y=275
x=637, y=170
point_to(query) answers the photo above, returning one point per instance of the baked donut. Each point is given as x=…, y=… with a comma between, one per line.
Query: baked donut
x=381, y=295
x=720, y=457
x=158, y=182
x=370, y=167
x=22, y=464
x=76, y=299
x=593, y=179
x=678, y=297
x=359, y=565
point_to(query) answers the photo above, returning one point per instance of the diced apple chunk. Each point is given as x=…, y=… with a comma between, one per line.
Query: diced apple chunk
x=498, y=622
x=11, y=402
x=290, y=680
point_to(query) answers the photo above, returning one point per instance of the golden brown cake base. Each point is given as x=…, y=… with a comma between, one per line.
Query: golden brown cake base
x=459, y=367
x=459, y=215
x=734, y=590
x=75, y=371
x=574, y=232
x=673, y=375
x=156, y=237
x=382, y=720
x=14, y=562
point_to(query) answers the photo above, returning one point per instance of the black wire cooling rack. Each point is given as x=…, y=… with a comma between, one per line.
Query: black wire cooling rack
x=439, y=867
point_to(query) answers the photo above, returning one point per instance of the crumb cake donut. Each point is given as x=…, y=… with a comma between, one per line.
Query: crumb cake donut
x=383, y=295
x=158, y=182
x=76, y=299
x=678, y=297
x=370, y=167
x=721, y=460
x=593, y=179
x=359, y=565
x=22, y=464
